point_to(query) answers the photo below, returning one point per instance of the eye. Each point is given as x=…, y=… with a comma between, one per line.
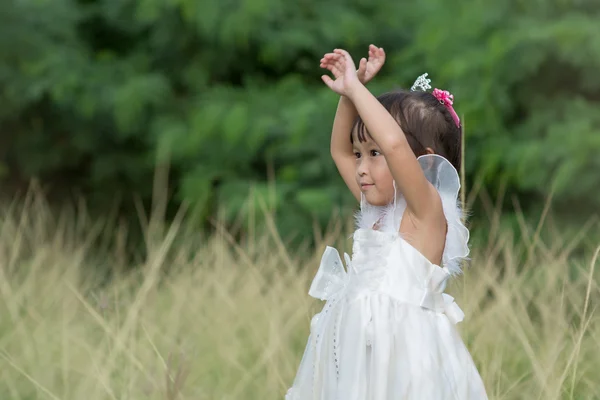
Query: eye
x=374, y=153
x=356, y=154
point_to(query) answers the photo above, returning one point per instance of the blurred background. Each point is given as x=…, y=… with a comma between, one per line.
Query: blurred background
x=96, y=94
x=167, y=188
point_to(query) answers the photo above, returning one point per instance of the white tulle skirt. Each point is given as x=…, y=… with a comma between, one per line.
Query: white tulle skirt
x=377, y=348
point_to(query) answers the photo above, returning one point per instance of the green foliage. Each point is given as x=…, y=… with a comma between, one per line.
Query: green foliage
x=95, y=92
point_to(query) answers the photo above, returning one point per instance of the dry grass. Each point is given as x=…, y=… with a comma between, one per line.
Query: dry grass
x=230, y=320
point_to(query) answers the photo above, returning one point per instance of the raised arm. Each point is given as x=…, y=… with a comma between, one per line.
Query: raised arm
x=341, y=148
x=421, y=197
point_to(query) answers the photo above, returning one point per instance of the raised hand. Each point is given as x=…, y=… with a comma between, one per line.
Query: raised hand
x=341, y=65
x=367, y=69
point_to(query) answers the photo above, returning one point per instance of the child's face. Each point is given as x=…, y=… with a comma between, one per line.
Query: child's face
x=372, y=173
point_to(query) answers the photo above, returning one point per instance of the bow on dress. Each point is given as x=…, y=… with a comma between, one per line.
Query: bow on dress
x=331, y=278
x=435, y=299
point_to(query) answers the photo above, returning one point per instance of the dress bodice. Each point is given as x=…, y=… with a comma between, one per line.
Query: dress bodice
x=385, y=262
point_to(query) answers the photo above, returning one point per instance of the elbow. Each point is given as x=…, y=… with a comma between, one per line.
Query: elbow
x=332, y=150
x=337, y=154
x=334, y=154
x=397, y=146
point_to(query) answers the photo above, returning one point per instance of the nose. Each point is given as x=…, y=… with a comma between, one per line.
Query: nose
x=363, y=167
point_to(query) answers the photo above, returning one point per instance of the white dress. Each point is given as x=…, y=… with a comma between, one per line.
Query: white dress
x=387, y=330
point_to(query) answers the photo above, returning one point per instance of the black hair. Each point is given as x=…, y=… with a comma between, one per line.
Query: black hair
x=425, y=122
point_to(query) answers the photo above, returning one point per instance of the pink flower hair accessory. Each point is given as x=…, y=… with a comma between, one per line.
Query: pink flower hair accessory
x=447, y=99
x=444, y=96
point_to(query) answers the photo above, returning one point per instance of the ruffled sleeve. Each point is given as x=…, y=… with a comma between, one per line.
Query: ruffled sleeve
x=444, y=177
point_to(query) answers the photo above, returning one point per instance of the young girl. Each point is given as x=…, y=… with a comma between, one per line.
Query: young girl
x=387, y=329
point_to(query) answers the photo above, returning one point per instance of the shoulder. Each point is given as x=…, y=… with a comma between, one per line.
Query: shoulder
x=441, y=174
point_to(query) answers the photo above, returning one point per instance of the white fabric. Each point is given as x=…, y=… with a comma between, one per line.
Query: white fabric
x=387, y=329
x=444, y=177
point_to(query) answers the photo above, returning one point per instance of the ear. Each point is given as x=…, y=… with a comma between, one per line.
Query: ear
x=429, y=150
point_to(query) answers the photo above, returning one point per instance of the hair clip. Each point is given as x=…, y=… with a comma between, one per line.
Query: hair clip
x=444, y=96
x=447, y=99
x=422, y=83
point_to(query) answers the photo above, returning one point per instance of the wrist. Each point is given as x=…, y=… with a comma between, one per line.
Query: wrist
x=345, y=99
x=354, y=89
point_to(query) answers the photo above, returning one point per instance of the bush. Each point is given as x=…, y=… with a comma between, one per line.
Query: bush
x=228, y=92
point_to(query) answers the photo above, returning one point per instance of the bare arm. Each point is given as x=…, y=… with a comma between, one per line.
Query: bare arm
x=341, y=148
x=421, y=197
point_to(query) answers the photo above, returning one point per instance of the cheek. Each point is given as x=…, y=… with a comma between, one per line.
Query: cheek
x=384, y=178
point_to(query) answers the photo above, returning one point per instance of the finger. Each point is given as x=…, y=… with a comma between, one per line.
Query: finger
x=347, y=59
x=345, y=55
x=362, y=70
x=339, y=52
x=336, y=68
x=327, y=80
x=329, y=60
x=337, y=72
x=362, y=66
x=341, y=66
x=331, y=68
x=378, y=57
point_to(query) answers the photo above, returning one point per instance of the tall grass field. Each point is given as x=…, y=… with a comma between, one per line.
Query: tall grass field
x=226, y=317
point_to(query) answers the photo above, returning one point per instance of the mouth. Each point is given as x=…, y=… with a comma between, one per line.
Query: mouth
x=366, y=185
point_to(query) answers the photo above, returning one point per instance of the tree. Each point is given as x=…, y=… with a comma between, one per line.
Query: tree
x=94, y=91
